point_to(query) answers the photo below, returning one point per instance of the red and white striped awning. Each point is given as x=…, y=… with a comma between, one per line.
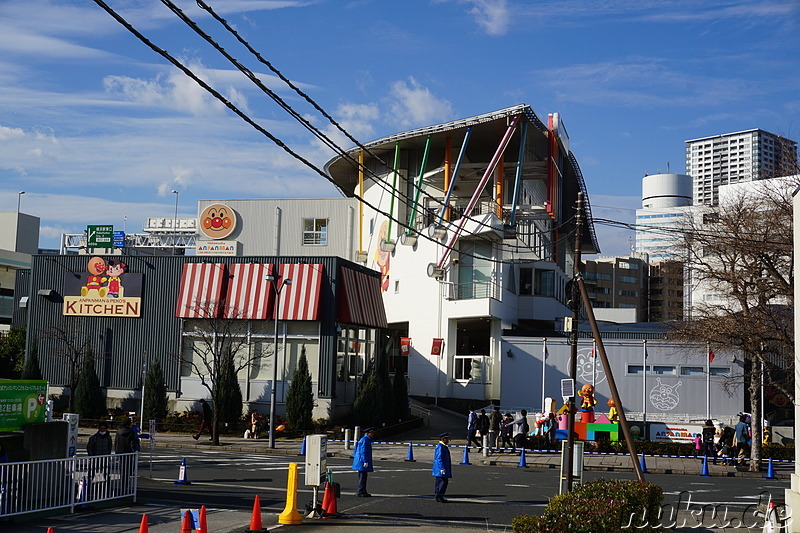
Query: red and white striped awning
x=300, y=300
x=201, y=290
x=360, y=300
x=250, y=296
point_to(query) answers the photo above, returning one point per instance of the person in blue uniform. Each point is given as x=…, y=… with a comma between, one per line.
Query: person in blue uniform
x=362, y=461
x=442, y=469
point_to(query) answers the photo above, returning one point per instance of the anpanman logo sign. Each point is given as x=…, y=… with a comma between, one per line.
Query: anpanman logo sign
x=217, y=221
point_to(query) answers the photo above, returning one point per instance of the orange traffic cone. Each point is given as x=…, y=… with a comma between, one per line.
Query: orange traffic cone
x=143, y=525
x=51, y=530
x=186, y=525
x=203, y=525
x=331, y=511
x=255, y=519
x=326, y=498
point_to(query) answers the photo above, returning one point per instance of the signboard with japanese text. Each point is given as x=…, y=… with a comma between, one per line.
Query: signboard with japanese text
x=99, y=236
x=22, y=402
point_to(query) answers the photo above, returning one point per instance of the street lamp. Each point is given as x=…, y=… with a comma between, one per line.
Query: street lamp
x=175, y=222
x=277, y=286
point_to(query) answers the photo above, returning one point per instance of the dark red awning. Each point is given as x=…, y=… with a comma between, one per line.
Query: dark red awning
x=360, y=300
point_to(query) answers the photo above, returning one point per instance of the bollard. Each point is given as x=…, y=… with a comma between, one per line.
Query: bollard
x=485, y=449
x=643, y=465
x=347, y=439
x=302, y=448
x=290, y=516
x=356, y=434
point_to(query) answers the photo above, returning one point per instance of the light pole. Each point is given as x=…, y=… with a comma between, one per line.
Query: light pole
x=277, y=286
x=175, y=221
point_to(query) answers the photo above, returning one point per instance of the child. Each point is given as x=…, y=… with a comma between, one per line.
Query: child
x=698, y=444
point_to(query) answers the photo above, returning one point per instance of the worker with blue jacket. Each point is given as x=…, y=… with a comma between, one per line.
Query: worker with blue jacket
x=442, y=469
x=362, y=461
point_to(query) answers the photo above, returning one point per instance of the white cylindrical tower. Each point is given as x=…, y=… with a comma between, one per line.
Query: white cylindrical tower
x=666, y=190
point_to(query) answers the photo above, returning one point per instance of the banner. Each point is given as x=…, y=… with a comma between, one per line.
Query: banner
x=105, y=289
x=405, y=345
x=436, y=349
x=22, y=402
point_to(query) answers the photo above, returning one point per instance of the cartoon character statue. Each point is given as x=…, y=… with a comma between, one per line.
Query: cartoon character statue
x=115, y=270
x=588, y=403
x=382, y=257
x=96, y=268
x=613, y=415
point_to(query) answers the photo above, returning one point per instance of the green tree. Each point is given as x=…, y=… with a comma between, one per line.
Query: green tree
x=227, y=395
x=374, y=401
x=300, y=397
x=155, y=394
x=31, y=369
x=400, y=390
x=89, y=399
x=12, y=353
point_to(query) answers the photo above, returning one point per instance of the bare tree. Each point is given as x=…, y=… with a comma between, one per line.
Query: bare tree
x=69, y=341
x=218, y=333
x=740, y=255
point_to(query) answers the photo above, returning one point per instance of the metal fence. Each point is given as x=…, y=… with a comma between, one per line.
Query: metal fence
x=32, y=486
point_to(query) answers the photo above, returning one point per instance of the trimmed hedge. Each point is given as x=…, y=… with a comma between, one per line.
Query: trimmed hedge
x=603, y=505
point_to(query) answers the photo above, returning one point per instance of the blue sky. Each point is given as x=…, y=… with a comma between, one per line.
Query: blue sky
x=96, y=127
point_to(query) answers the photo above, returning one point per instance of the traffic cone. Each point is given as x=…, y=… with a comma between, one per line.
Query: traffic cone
x=326, y=498
x=522, y=463
x=704, y=472
x=183, y=478
x=770, y=470
x=255, y=518
x=465, y=458
x=331, y=510
x=202, y=524
x=51, y=530
x=186, y=523
x=643, y=465
x=303, y=447
x=143, y=524
x=410, y=456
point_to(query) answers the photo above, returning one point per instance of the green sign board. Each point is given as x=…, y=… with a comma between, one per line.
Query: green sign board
x=22, y=402
x=99, y=236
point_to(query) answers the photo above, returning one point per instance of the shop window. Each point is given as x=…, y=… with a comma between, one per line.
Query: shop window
x=315, y=231
x=545, y=283
x=471, y=368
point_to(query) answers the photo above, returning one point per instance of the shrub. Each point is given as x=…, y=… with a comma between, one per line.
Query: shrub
x=602, y=505
x=155, y=394
x=227, y=394
x=89, y=399
x=300, y=397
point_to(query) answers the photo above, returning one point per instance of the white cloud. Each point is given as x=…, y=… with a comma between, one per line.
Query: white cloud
x=411, y=104
x=491, y=15
x=10, y=133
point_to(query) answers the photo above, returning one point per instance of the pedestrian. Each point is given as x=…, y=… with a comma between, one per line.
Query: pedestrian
x=726, y=445
x=472, y=428
x=743, y=439
x=256, y=424
x=362, y=461
x=125, y=441
x=698, y=444
x=206, y=423
x=495, y=419
x=506, y=432
x=100, y=443
x=521, y=429
x=483, y=428
x=709, y=450
x=550, y=433
x=442, y=469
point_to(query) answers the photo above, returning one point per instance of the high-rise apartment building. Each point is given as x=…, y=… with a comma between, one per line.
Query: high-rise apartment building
x=665, y=200
x=736, y=157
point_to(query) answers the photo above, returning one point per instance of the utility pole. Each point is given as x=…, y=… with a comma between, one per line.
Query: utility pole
x=574, y=303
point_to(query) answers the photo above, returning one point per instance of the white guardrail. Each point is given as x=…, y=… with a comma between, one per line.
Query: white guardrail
x=33, y=486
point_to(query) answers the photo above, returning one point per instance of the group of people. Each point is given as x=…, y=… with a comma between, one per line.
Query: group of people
x=731, y=445
x=506, y=431
x=126, y=440
x=442, y=469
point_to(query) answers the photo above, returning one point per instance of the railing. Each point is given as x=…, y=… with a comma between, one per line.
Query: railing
x=474, y=290
x=422, y=413
x=33, y=486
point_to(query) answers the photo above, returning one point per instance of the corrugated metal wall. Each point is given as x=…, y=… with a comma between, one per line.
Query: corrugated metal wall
x=124, y=345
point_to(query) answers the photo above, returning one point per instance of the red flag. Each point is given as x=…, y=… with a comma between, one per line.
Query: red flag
x=592, y=354
x=405, y=345
x=711, y=356
x=436, y=349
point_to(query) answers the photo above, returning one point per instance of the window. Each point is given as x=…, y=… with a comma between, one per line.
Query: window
x=629, y=279
x=545, y=283
x=692, y=371
x=719, y=371
x=468, y=368
x=663, y=370
x=315, y=231
x=526, y=281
